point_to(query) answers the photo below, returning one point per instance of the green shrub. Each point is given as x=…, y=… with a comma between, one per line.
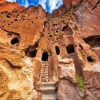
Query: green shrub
x=80, y=83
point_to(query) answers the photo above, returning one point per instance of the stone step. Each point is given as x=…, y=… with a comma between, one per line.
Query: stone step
x=48, y=90
x=49, y=97
x=48, y=84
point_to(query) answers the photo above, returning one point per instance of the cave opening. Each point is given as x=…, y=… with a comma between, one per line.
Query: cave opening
x=31, y=52
x=81, y=46
x=70, y=49
x=57, y=50
x=90, y=59
x=67, y=30
x=93, y=41
x=45, y=56
x=14, y=41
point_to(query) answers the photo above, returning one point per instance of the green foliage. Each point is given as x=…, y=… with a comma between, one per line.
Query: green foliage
x=80, y=83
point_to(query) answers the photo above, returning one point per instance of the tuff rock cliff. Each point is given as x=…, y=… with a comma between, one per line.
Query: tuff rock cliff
x=50, y=57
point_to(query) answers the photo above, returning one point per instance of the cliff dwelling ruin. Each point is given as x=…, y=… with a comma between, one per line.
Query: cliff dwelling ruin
x=50, y=56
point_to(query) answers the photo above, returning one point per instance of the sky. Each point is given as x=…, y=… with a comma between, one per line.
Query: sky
x=48, y=5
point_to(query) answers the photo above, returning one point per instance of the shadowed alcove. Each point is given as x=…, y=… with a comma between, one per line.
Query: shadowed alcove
x=14, y=41
x=57, y=50
x=31, y=51
x=45, y=56
x=90, y=59
x=70, y=48
x=67, y=30
x=93, y=41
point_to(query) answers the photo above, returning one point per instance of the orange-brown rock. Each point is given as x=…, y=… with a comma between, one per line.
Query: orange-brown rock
x=7, y=6
x=88, y=17
x=67, y=90
x=40, y=52
x=29, y=25
x=67, y=85
x=16, y=73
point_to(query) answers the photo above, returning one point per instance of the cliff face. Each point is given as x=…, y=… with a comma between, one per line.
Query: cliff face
x=45, y=56
x=88, y=18
x=7, y=6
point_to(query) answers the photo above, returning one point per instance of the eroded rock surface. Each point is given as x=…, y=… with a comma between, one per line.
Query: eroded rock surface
x=41, y=55
x=67, y=84
x=16, y=75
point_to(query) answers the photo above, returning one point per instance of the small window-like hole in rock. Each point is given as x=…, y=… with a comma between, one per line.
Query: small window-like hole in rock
x=8, y=16
x=45, y=56
x=90, y=59
x=70, y=48
x=81, y=47
x=15, y=20
x=2, y=12
x=36, y=17
x=57, y=50
x=67, y=30
x=14, y=41
x=50, y=35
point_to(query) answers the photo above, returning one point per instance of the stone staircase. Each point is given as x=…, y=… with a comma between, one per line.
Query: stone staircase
x=48, y=89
